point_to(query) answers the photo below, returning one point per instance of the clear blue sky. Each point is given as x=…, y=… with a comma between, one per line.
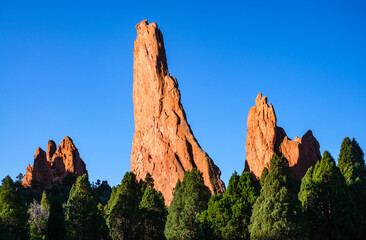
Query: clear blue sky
x=66, y=70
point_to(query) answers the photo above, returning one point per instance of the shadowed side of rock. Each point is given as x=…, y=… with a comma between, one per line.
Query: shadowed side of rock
x=163, y=143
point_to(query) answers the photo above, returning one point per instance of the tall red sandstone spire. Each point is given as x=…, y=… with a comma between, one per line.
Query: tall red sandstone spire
x=264, y=138
x=163, y=144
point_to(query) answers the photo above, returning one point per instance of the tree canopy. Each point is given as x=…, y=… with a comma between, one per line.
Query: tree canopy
x=191, y=197
x=277, y=211
x=327, y=202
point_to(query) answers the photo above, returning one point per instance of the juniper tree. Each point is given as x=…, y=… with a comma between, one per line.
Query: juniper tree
x=190, y=200
x=327, y=202
x=277, y=211
x=153, y=214
x=13, y=212
x=84, y=221
x=56, y=229
x=229, y=214
x=122, y=210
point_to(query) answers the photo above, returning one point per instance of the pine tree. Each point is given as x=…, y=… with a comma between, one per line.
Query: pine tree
x=229, y=214
x=327, y=202
x=45, y=202
x=84, y=220
x=13, y=212
x=191, y=197
x=277, y=212
x=56, y=229
x=263, y=176
x=122, y=210
x=351, y=162
x=153, y=214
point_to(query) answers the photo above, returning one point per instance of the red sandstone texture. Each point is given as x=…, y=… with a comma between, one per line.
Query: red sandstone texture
x=264, y=138
x=163, y=144
x=54, y=165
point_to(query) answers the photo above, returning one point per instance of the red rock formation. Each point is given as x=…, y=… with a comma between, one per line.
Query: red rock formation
x=40, y=171
x=54, y=165
x=67, y=160
x=264, y=138
x=51, y=149
x=163, y=144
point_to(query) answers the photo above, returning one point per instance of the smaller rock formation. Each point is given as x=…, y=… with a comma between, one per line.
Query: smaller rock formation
x=264, y=138
x=54, y=165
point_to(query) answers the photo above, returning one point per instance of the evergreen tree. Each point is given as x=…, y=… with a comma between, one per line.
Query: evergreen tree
x=102, y=191
x=45, y=202
x=4, y=233
x=351, y=162
x=191, y=197
x=13, y=212
x=84, y=220
x=56, y=229
x=263, y=175
x=153, y=214
x=277, y=211
x=327, y=202
x=122, y=210
x=229, y=214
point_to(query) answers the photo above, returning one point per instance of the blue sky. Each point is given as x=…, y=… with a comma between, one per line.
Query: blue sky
x=66, y=70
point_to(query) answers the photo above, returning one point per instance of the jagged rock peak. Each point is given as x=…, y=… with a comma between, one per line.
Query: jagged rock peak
x=264, y=138
x=51, y=149
x=163, y=143
x=40, y=171
x=54, y=165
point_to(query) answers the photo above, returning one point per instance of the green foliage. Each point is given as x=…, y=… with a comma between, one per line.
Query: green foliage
x=122, y=211
x=56, y=229
x=191, y=197
x=102, y=191
x=83, y=219
x=351, y=161
x=229, y=214
x=38, y=217
x=277, y=213
x=327, y=202
x=153, y=214
x=13, y=212
x=263, y=176
x=45, y=202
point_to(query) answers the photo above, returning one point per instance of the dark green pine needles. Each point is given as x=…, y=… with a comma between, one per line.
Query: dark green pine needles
x=229, y=214
x=84, y=220
x=190, y=200
x=328, y=204
x=277, y=212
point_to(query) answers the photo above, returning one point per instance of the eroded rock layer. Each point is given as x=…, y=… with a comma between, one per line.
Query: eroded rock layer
x=264, y=138
x=54, y=165
x=163, y=143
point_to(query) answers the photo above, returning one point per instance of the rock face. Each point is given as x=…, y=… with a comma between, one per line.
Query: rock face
x=54, y=165
x=264, y=138
x=163, y=144
x=40, y=171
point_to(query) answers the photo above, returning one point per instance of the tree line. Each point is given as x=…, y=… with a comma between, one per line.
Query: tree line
x=328, y=203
